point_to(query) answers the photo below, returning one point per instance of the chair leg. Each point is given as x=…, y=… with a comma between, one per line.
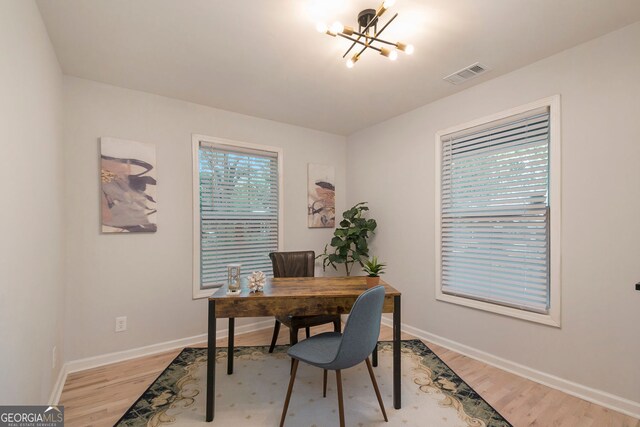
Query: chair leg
x=375, y=387
x=340, y=399
x=307, y=331
x=324, y=383
x=374, y=356
x=276, y=331
x=289, y=390
x=336, y=325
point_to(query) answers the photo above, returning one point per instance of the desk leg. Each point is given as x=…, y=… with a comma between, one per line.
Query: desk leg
x=211, y=361
x=397, y=376
x=232, y=324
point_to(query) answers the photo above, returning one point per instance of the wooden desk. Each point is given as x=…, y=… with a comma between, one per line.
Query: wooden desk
x=299, y=296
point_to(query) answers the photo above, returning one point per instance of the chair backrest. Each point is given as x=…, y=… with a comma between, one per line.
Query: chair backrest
x=293, y=264
x=362, y=329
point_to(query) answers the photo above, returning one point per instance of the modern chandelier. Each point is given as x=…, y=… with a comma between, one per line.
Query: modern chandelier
x=367, y=34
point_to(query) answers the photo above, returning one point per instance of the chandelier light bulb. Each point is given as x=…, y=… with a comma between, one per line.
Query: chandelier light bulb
x=406, y=48
x=337, y=27
x=322, y=27
x=350, y=63
x=391, y=54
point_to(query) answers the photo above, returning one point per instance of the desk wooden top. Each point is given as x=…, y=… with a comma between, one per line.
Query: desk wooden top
x=302, y=287
x=297, y=296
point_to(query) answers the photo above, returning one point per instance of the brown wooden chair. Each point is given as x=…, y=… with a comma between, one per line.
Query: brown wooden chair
x=297, y=264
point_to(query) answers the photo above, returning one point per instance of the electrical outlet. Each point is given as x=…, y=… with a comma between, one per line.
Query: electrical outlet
x=54, y=357
x=121, y=324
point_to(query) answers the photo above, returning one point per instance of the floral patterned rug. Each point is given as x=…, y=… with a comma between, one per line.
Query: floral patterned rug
x=432, y=394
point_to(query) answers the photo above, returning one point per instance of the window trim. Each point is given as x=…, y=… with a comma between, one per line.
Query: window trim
x=196, y=139
x=553, y=317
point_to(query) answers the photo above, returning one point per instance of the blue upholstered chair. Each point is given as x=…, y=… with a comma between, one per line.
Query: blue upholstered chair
x=335, y=351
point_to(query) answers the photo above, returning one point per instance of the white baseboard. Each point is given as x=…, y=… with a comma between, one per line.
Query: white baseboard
x=54, y=398
x=121, y=356
x=599, y=397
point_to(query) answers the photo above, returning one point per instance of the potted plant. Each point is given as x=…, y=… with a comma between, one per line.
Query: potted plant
x=349, y=242
x=374, y=269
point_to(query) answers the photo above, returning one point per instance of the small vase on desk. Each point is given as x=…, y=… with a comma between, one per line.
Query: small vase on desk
x=372, y=281
x=233, y=279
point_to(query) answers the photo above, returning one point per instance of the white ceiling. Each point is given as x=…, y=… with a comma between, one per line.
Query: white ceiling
x=265, y=58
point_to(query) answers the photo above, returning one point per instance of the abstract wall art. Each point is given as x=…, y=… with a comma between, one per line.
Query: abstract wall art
x=128, y=184
x=322, y=196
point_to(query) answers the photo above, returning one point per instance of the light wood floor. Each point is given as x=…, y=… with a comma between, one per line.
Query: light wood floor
x=100, y=396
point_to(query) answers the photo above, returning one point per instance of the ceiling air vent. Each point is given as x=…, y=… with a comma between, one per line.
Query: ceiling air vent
x=466, y=73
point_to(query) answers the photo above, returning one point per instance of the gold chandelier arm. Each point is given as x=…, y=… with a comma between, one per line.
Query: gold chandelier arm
x=373, y=21
x=351, y=47
x=375, y=39
x=379, y=13
x=376, y=35
x=357, y=41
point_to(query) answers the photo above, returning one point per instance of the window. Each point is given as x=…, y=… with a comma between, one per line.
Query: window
x=498, y=213
x=237, y=209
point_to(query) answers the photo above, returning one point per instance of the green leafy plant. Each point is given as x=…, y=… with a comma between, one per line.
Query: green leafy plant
x=349, y=243
x=373, y=268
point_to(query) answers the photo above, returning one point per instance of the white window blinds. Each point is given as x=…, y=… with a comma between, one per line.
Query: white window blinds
x=495, y=212
x=239, y=209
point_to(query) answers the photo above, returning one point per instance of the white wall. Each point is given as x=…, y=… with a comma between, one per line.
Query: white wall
x=31, y=239
x=147, y=277
x=392, y=166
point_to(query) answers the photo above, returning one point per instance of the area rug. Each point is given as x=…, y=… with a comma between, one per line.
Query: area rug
x=432, y=394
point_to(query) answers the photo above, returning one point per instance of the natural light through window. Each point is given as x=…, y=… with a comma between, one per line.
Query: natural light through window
x=496, y=245
x=238, y=209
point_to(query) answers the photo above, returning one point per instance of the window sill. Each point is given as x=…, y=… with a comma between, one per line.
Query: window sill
x=550, y=319
x=203, y=293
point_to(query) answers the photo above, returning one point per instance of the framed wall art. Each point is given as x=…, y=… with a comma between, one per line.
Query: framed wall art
x=322, y=196
x=128, y=186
